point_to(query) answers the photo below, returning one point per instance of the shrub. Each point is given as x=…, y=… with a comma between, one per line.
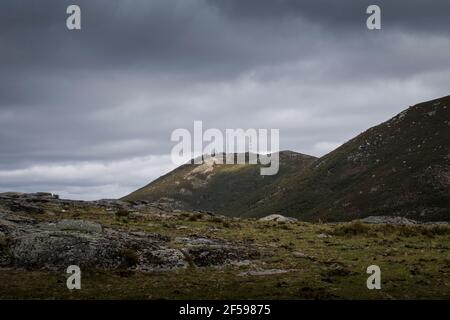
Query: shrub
x=217, y=219
x=226, y=224
x=122, y=212
x=196, y=217
x=130, y=258
x=436, y=230
x=357, y=228
x=4, y=248
x=354, y=228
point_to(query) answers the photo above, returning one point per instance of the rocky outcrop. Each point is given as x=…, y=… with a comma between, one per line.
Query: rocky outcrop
x=213, y=252
x=31, y=242
x=42, y=202
x=278, y=218
x=388, y=220
x=57, y=245
x=269, y=272
x=74, y=225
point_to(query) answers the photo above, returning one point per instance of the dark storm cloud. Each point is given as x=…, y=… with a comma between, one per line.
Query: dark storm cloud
x=159, y=36
x=416, y=15
x=89, y=113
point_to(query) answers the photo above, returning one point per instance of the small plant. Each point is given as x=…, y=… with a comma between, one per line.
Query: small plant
x=353, y=229
x=196, y=217
x=226, y=224
x=284, y=226
x=217, y=219
x=122, y=212
x=130, y=258
x=431, y=231
x=4, y=248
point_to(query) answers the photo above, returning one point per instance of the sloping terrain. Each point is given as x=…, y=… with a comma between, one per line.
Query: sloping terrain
x=222, y=188
x=400, y=167
x=136, y=251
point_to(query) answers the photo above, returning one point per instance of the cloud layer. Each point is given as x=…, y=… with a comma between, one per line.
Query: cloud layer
x=88, y=114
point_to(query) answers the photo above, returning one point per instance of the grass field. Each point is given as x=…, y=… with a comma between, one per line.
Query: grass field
x=318, y=261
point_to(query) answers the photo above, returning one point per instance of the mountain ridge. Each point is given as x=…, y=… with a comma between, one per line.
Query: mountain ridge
x=399, y=167
x=217, y=187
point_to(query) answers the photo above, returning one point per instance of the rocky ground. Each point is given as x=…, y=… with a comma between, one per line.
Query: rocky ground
x=154, y=250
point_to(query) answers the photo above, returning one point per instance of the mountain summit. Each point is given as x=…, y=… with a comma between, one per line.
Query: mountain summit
x=400, y=167
x=222, y=188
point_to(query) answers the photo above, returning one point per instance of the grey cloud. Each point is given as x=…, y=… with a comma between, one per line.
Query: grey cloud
x=414, y=15
x=137, y=70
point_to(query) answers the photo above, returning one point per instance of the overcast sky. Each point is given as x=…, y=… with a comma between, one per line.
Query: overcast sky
x=88, y=114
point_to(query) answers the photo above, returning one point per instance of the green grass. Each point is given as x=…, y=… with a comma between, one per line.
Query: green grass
x=414, y=260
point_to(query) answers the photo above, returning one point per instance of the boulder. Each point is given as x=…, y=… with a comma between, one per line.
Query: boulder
x=25, y=243
x=268, y=272
x=79, y=225
x=388, y=220
x=278, y=218
x=215, y=255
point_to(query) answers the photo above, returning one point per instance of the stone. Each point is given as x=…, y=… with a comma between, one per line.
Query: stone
x=299, y=254
x=54, y=245
x=192, y=241
x=203, y=256
x=323, y=236
x=388, y=220
x=267, y=272
x=278, y=218
x=79, y=225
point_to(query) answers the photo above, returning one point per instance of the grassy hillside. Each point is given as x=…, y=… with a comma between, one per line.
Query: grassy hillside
x=297, y=261
x=220, y=188
x=400, y=167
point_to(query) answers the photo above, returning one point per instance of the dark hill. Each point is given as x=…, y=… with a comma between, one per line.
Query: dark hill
x=222, y=188
x=400, y=167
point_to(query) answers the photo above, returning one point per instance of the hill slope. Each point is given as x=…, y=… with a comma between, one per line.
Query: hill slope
x=223, y=189
x=400, y=167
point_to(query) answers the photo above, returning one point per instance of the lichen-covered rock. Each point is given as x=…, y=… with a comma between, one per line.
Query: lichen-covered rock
x=269, y=272
x=57, y=250
x=162, y=259
x=388, y=220
x=214, y=255
x=278, y=218
x=25, y=243
x=78, y=225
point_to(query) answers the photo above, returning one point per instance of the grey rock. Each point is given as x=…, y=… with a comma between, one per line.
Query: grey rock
x=278, y=218
x=162, y=260
x=56, y=245
x=388, y=220
x=299, y=254
x=268, y=272
x=323, y=236
x=241, y=263
x=214, y=255
x=193, y=241
x=57, y=250
x=79, y=225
